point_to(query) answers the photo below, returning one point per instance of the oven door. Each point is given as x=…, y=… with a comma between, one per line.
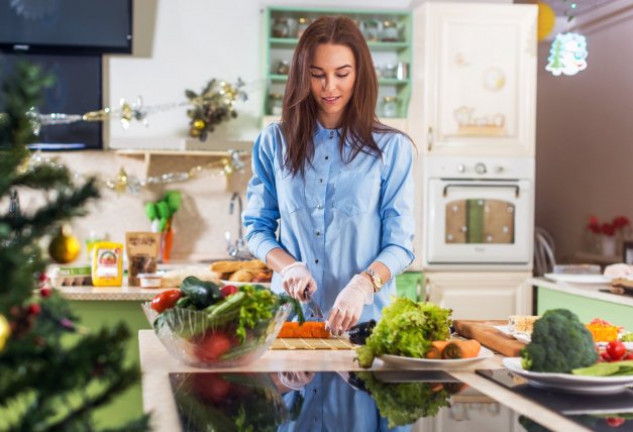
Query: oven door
x=479, y=221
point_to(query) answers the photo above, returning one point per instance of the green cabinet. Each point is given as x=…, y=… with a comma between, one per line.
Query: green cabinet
x=98, y=313
x=388, y=34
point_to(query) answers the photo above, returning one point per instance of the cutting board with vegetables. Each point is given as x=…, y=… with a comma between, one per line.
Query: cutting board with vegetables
x=332, y=343
x=488, y=336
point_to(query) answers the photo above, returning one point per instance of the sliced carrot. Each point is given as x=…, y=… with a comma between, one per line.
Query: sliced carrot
x=435, y=352
x=458, y=349
x=308, y=329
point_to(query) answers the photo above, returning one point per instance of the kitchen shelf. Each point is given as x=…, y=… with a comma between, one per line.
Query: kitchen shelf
x=385, y=53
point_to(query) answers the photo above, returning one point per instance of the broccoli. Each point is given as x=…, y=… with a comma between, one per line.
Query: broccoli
x=560, y=343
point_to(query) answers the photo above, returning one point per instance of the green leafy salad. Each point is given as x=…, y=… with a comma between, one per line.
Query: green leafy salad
x=407, y=329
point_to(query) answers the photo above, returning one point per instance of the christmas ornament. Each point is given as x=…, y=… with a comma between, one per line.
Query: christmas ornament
x=64, y=247
x=567, y=55
x=546, y=20
x=5, y=332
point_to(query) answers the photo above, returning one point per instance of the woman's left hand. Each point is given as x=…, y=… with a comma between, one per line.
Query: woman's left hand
x=349, y=304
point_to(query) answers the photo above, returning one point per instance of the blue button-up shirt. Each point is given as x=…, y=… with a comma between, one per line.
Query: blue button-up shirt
x=340, y=217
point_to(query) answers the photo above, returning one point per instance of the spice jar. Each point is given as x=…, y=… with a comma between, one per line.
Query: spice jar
x=275, y=103
x=390, y=106
x=283, y=67
x=389, y=32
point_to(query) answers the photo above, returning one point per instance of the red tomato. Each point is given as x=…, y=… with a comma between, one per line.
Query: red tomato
x=211, y=386
x=166, y=300
x=615, y=421
x=628, y=356
x=212, y=346
x=228, y=290
x=616, y=350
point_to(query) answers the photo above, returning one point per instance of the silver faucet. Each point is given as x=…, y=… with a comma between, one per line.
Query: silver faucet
x=237, y=250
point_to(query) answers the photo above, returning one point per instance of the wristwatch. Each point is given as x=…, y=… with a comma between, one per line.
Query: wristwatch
x=376, y=280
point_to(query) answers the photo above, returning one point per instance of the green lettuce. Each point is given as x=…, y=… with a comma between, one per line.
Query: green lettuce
x=407, y=329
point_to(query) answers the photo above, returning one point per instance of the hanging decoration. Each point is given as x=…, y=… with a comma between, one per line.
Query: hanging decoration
x=64, y=248
x=5, y=332
x=215, y=104
x=568, y=54
x=123, y=182
x=546, y=20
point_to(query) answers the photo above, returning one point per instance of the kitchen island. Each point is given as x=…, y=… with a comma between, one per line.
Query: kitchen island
x=588, y=301
x=157, y=365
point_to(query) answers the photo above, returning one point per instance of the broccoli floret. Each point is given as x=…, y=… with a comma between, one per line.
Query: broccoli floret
x=560, y=343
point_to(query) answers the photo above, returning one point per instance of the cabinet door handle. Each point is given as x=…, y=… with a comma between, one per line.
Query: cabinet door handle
x=429, y=138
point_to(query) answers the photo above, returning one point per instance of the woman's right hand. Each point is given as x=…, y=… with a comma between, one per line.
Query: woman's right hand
x=297, y=281
x=618, y=270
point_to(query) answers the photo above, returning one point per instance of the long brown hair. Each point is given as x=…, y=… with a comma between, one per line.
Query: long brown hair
x=299, y=115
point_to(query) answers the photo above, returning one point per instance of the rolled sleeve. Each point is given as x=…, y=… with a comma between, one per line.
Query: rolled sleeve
x=261, y=217
x=397, y=208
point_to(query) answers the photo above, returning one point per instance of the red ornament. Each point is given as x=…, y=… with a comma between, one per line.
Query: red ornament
x=34, y=309
x=45, y=291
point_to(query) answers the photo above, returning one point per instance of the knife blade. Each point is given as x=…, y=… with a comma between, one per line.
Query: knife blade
x=312, y=308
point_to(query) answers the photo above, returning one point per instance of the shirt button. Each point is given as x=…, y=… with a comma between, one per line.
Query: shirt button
x=331, y=135
x=316, y=261
x=319, y=206
x=318, y=233
x=314, y=391
x=327, y=157
x=320, y=180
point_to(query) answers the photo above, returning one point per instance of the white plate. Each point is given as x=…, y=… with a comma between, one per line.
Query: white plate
x=567, y=382
x=418, y=363
x=237, y=284
x=594, y=279
x=523, y=337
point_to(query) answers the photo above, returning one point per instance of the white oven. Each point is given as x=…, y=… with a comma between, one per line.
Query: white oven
x=478, y=212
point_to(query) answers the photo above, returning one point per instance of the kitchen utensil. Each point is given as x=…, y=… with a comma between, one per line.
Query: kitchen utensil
x=487, y=335
x=313, y=311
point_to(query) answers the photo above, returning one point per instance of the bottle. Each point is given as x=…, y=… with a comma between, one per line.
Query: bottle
x=107, y=264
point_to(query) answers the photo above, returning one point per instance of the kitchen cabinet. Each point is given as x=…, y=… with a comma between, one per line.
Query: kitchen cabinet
x=480, y=295
x=388, y=34
x=474, y=79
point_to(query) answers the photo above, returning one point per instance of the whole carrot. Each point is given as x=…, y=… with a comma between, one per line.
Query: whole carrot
x=435, y=351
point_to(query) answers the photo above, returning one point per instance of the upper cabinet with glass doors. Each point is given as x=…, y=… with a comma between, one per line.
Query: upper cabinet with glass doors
x=388, y=35
x=475, y=83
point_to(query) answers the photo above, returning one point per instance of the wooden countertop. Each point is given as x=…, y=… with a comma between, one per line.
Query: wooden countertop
x=156, y=364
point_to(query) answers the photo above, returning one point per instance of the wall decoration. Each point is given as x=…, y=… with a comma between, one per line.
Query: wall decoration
x=486, y=125
x=494, y=79
x=568, y=54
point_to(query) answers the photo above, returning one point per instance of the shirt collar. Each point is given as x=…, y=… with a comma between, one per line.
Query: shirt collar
x=321, y=130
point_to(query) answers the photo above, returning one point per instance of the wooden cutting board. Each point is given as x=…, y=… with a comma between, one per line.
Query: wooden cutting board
x=488, y=336
x=312, y=344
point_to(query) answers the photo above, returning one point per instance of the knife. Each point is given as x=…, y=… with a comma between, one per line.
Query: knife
x=312, y=308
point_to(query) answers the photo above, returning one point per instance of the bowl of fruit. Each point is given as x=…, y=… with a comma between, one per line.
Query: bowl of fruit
x=207, y=324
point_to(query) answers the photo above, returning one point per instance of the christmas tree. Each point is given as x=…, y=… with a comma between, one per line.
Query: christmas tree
x=53, y=373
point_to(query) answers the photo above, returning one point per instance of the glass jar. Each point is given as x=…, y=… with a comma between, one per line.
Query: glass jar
x=283, y=67
x=302, y=25
x=280, y=28
x=390, y=106
x=389, y=32
x=371, y=29
x=275, y=103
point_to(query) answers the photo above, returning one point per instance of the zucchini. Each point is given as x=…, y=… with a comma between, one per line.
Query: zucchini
x=200, y=293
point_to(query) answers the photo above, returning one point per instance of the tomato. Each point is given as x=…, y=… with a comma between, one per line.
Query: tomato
x=605, y=356
x=212, y=346
x=616, y=350
x=166, y=300
x=228, y=290
x=628, y=356
x=211, y=386
x=615, y=421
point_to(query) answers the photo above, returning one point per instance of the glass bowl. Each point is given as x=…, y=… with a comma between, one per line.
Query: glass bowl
x=197, y=340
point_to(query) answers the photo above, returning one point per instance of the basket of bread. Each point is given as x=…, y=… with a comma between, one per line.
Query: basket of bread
x=248, y=271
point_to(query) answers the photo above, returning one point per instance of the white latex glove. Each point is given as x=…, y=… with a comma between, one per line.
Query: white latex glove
x=297, y=281
x=295, y=380
x=618, y=270
x=349, y=304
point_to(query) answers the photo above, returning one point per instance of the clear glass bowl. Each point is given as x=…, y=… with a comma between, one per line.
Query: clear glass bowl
x=197, y=340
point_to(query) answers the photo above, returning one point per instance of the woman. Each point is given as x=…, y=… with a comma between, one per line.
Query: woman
x=336, y=182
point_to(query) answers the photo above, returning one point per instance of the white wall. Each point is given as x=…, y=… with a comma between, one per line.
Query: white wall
x=584, y=141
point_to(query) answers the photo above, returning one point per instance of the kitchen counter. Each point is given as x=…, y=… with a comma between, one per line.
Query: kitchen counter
x=124, y=293
x=156, y=364
x=584, y=290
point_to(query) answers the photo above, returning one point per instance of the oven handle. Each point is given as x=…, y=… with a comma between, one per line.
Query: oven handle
x=516, y=188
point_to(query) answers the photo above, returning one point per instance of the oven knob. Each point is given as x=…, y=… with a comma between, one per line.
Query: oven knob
x=499, y=169
x=480, y=168
x=461, y=168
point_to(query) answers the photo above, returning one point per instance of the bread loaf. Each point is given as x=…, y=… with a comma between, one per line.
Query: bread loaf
x=232, y=266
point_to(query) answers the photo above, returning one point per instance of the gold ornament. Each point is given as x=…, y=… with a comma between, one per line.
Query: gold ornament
x=199, y=124
x=546, y=20
x=5, y=332
x=121, y=181
x=194, y=132
x=64, y=247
